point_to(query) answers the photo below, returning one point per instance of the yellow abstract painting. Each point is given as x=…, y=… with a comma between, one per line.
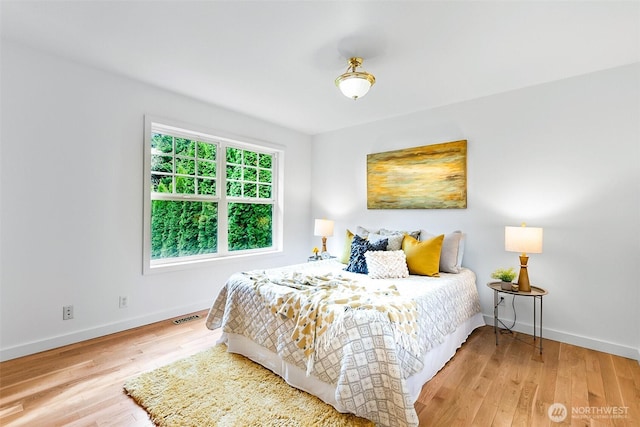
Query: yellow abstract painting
x=427, y=177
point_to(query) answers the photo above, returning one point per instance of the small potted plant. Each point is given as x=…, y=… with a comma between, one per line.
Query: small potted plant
x=315, y=251
x=506, y=276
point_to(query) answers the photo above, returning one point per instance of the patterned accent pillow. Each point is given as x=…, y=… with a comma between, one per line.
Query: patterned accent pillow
x=394, y=241
x=387, y=264
x=359, y=246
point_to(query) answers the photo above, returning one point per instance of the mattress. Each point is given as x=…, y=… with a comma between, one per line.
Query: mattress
x=363, y=367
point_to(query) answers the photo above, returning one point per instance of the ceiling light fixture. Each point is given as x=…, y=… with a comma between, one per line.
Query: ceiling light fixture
x=355, y=84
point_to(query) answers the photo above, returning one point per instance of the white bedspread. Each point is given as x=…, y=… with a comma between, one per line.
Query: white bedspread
x=364, y=363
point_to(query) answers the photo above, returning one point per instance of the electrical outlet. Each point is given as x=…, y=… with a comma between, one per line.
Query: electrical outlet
x=67, y=312
x=124, y=302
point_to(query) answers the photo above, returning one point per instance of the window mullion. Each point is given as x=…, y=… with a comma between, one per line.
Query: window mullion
x=223, y=227
x=196, y=183
x=223, y=209
x=184, y=197
x=175, y=161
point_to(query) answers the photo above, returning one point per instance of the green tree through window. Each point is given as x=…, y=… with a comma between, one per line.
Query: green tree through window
x=180, y=228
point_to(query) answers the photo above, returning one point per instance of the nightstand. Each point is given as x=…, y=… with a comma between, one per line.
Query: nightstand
x=536, y=293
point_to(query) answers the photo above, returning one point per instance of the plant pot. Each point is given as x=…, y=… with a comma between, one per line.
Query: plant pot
x=506, y=286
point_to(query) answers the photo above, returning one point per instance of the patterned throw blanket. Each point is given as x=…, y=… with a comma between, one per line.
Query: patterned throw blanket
x=318, y=304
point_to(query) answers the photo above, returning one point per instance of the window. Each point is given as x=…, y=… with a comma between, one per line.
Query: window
x=207, y=197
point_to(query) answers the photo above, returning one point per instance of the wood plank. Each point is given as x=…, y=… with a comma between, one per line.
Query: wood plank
x=515, y=364
x=579, y=388
x=545, y=396
x=563, y=381
x=496, y=373
x=612, y=390
x=629, y=383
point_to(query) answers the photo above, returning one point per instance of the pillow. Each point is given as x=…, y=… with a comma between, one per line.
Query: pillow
x=394, y=241
x=363, y=232
x=346, y=252
x=414, y=234
x=423, y=258
x=452, y=250
x=359, y=246
x=387, y=264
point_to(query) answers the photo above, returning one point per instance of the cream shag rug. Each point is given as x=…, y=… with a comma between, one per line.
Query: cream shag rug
x=216, y=388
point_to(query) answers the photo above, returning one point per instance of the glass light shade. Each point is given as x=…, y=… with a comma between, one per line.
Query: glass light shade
x=526, y=240
x=354, y=86
x=323, y=227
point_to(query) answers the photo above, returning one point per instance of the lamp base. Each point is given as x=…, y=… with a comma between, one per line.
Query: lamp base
x=523, y=278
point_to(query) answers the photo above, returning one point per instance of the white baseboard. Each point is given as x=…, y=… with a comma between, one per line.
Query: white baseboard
x=573, y=339
x=86, y=334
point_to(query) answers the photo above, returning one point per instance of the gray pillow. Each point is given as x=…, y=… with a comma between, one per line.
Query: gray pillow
x=452, y=250
x=364, y=232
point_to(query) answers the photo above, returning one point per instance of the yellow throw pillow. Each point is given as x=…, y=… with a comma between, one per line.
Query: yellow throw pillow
x=423, y=258
x=346, y=252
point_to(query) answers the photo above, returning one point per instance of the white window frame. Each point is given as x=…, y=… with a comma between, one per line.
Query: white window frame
x=223, y=140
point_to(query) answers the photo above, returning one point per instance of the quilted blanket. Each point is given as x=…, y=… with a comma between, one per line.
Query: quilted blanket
x=362, y=357
x=318, y=303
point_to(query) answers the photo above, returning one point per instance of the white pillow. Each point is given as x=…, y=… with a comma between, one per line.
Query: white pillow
x=452, y=250
x=394, y=241
x=387, y=264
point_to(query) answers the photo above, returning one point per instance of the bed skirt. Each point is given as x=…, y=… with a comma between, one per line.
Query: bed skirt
x=296, y=377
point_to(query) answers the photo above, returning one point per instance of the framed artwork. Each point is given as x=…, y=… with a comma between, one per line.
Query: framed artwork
x=427, y=177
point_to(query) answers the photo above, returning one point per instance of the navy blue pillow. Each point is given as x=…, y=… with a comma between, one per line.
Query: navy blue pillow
x=357, y=260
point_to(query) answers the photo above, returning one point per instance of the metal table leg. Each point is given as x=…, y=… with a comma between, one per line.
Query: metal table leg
x=534, y=318
x=540, y=325
x=495, y=314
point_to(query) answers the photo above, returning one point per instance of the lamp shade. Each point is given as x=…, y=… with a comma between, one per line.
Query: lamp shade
x=526, y=240
x=354, y=86
x=323, y=227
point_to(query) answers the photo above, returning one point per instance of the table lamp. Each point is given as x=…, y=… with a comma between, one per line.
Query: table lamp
x=526, y=240
x=324, y=228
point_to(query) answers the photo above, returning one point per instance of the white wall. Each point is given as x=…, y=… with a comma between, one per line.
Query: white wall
x=72, y=194
x=564, y=156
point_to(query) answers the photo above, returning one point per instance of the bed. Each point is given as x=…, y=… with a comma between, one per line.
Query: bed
x=368, y=351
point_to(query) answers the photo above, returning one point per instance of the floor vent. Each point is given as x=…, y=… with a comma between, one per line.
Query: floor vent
x=186, y=319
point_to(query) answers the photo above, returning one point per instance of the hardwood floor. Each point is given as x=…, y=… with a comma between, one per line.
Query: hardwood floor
x=483, y=385
x=512, y=384
x=81, y=384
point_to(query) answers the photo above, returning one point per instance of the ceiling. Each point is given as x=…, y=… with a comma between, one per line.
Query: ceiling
x=277, y=60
